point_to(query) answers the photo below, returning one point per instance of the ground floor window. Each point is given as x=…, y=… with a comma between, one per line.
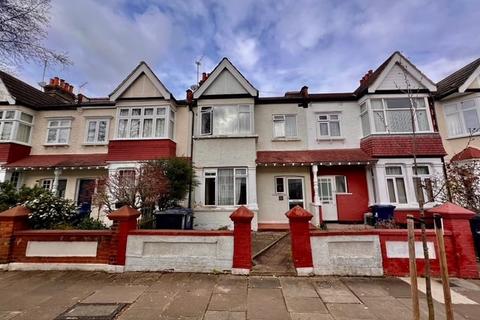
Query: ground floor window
x=423, y=184
x=225, y=186
x=15, y=179
x=396, y=184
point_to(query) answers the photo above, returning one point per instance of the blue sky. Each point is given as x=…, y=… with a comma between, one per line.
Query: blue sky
x=278, y=45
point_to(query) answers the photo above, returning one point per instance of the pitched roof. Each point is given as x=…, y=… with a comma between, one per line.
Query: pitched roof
x=26, y=94
x=313, y=97
x=451, y=83
x=467, y=154
x=334, y=156
x=60, y=160
x=363, y=88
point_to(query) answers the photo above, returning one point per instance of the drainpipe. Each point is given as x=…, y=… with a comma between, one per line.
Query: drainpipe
x=190, y=108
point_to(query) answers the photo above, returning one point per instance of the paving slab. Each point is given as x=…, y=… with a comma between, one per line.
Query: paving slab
x=439, y=309
x=228, y=302
x=266, y=304
x=188, y=305
x=345, y=311
x=297, y=287
x=395, y=287
x=231, y=285
x=264, y=282
x=305, y=305
x=387, y=308
x=7, y=315
x=365, y=287
x=332, y=290
x=310, y=316
x=224, y=315
x=116, y=294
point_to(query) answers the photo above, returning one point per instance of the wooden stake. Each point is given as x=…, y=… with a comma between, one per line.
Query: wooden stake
x=413, y=268
x=443, y=267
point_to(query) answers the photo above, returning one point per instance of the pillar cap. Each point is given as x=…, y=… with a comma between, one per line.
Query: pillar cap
x=124, y=213
x=242, y=214
x=14, y=213
x=451, y=210
x=299, y=213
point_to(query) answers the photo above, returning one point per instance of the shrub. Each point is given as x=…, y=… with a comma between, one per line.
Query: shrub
x=90, y=224
x=49, y=211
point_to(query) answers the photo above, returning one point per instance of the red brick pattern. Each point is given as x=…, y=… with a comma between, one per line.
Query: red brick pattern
x=10, y=152
x=130, y=150
x=402, y=145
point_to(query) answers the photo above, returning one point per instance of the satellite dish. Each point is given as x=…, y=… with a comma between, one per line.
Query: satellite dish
x=42, y=84
x=194, y=87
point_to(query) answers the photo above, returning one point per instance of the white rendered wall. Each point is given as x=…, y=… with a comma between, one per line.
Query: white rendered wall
x=179, y=253
x=61, y=249
x=358, y=255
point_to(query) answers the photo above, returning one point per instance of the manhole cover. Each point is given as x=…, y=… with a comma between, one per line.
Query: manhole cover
x=92, y=311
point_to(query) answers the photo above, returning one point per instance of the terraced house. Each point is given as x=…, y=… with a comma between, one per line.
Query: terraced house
x=332, y=153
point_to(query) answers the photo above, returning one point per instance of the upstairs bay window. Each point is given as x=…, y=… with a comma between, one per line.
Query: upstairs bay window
x=225, y=186
x=394, y=115
x=58, y=131
x=15, y=126
x=145, y=123
x=284, y=126
x=463, y=118
x=226, y=120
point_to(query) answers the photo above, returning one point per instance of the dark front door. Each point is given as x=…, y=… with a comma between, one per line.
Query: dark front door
x=86, y=188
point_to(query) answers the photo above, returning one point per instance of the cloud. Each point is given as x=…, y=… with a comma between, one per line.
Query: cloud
x=278, y=45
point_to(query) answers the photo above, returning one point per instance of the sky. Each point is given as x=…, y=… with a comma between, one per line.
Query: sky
x=278, y=45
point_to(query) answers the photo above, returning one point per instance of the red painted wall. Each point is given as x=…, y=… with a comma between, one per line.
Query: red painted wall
x=402, y=145
x=350, y=207
x=131, y=150
x=11, y=152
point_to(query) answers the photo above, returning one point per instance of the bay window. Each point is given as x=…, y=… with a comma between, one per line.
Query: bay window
x=15, y=126
x=145, y=123
x=97, y=131
x=396, y=184
x=225, y=186
x=328, y=126
x=394, y=115
x=284, y=126
x=463, y=118
x=226, y=120
x=58, y=131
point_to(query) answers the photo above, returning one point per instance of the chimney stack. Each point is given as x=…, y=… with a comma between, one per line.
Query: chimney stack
x=189, y=96
x=304, y=92
x=60, y=89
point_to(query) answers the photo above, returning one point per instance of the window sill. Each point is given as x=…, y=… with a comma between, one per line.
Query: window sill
x=16, y=142
x=462, y=136
x=330, y=139
x=227, y=136
x=86, y=144
x=55, y=145
x=285, y=139
x=376, y=134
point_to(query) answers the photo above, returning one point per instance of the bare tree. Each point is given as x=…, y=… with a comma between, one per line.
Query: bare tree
x=23, y=27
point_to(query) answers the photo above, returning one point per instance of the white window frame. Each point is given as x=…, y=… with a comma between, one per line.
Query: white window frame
x=384, y=110
x=458, y=111
x=16, y=121
x=107, y=129
x=214, y=174
x=423, y=179
x=58, y=128
x=212, y=119
x=50, y=184
x=142, y=117
x=394, y=178
x=329, y=120
x=283, y=119
x=276, y=185
x=16, y=175
x=345, y=179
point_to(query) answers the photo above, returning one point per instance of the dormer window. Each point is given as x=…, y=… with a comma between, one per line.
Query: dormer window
x=15, y=126
x=226, y=120
x=394, y=115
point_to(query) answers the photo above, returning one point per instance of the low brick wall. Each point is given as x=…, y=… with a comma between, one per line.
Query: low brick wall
x=62, y=246
x=179, y=250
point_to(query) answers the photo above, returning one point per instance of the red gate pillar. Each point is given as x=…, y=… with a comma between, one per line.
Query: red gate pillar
x=124, y=220
x=457, y=220
x=242, y=240
x=11, y=220
x=299, y=220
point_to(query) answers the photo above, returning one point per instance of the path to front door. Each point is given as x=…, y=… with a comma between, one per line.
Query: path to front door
x=272, y=254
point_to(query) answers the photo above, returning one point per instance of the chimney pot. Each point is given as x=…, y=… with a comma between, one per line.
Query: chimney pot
x=204, y=76
x=189, y=96
x=70, y=89
x=304, y=91
x=62, y=82
x=52, y=81
x=56, y=81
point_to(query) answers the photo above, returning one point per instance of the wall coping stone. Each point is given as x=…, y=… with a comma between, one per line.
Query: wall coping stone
x=18, y=212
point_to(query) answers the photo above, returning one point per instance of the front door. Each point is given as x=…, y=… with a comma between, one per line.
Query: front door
x=326, y=189
x=86, y=189
x=295, y=192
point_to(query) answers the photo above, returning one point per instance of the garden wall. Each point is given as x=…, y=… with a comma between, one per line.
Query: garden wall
x=179, y=251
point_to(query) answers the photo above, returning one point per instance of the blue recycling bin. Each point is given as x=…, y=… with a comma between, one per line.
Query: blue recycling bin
x=383, y=211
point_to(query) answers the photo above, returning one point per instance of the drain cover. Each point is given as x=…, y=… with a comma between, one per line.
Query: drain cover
x=92, y=311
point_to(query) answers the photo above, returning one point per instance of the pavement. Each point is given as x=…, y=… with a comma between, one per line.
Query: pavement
x=168, y=296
